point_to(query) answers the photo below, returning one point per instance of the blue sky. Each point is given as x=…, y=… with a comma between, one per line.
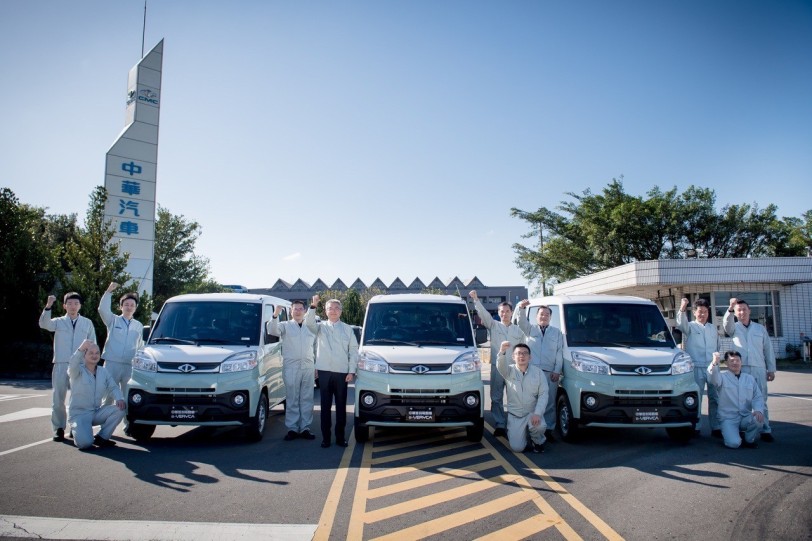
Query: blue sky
x=391, y=138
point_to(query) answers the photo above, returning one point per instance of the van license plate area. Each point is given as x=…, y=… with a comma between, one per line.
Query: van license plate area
x=183, y=413
x=420, y=415
x=646, y=415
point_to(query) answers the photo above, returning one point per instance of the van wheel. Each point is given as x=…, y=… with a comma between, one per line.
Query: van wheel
x=361, y=432
x=256, y=428
x=141, y=432
x=474, y=433
x=567, y=425
x=681, y=434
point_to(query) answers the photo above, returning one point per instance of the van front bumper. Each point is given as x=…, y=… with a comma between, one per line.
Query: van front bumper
x=227, y=409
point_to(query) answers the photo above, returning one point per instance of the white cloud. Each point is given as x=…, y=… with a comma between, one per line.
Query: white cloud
x=292, y=257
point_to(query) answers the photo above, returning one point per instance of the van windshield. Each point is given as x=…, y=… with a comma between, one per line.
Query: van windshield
x=417, y=324
x=227, y=323
x=616, y=325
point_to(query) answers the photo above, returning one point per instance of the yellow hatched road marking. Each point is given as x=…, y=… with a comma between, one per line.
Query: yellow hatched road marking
x=430, y=479
x=391, y=472
x=419, y=452
x=411, y=443
x=520, y=530
x=437, y=498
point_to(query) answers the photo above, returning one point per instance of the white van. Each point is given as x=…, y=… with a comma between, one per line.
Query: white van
x=622, y=368
x=209, y=361
x=418, y=365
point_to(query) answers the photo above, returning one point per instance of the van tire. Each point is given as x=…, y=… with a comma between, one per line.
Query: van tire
x=681, y=434
x=361, y=432
x=474, y=433
x=141, y=433
x=567, y=425
x=256, y=426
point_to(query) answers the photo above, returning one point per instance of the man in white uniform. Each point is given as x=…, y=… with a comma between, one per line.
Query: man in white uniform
x=526, y=398
x=499, y=332
x=298, y=370
x=91, y=384
x=125, y=335
x=547, y=348
x=741, y=405
x=336, y=361
x=69, y=331
x=701, y=341
x=752, y=341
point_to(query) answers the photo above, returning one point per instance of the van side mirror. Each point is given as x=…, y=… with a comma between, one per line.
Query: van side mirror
x=481, y=335
x=145, y=333
x=677, y=334
x=269, y=338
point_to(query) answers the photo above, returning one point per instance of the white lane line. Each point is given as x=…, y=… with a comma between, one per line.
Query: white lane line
x=791, y=396
x=29, y=413
x=136, y=530
x=7, y=397
x=23, y=448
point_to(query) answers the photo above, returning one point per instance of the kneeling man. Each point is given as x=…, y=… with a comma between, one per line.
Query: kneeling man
x=90, y=386
x=526, y=398
x=741, y=405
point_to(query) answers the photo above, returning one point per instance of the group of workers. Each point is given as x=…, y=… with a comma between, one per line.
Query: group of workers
x=98, y=391
x=737, y=398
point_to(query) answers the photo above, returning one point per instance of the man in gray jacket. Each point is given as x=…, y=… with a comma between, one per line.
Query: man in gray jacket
x=336, y=361
x=741, y=405
x=701, y=341
x=752, y=341
x=499, y=331
x=91, y=384
x=69, y=331
x=298, y=370
x=125, y=335
x=526, y=398
x=547, y=348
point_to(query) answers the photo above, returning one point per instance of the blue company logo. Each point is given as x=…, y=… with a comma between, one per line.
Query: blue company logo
x=132, y=168
x=148, y=96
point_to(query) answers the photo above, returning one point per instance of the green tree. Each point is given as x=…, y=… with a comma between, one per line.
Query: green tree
x=353, y=303
x=595, y=232
x=177, y=269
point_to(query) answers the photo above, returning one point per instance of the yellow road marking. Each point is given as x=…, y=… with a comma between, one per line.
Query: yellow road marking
x=430, y=479
x=391, y=472
x=520, y=530
x=419, y=452
x=328, y=514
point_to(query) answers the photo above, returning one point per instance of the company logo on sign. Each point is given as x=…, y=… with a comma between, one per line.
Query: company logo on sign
x=149, y=96
x=130, y=96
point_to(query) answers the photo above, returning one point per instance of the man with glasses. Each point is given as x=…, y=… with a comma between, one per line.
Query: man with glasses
x=499, y=332
x=752, y=341
x=741, y=406
x=547, y=353
x=526, y=398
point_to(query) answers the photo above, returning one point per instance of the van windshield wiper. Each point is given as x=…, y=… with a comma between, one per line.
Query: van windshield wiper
x=214, y=341
x=390, y=341
x=163, y=339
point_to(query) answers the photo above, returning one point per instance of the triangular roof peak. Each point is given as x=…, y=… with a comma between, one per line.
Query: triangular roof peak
x=280, y=285
x=358, y=284
x=397, y=283
x=300, y=285
x=338, y=285
x=417, y=283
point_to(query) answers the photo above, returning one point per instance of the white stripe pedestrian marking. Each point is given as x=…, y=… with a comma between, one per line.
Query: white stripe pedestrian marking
x=136, y=530
x=7, y=397
x=29, y=413
x=790, y=396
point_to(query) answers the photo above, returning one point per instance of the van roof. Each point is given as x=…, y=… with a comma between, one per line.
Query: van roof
x=416, y=297
x=593, y=299
x=227, y=297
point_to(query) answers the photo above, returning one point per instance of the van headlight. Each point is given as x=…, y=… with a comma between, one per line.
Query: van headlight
x=240, y=362
x=467, y=362
x=589, y=364
x=144, y=362
x=372, y=362
x=681, y=364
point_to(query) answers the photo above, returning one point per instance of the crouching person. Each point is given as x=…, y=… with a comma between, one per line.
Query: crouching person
x=90, y=386
x=526, y=398
x=741, y=405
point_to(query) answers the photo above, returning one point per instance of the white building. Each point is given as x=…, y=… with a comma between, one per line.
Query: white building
x=778, y=290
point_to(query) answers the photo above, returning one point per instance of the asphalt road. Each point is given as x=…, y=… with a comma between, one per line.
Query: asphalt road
x=193, y=483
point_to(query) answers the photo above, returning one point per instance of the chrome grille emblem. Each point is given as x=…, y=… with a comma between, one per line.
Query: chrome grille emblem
x=186, y=368
x=420, y=369
x=643, y=370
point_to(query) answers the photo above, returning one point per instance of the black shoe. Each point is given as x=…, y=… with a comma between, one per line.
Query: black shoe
x=716, y=433
x=325, y=444
x=101, y=442
x=342, y=443
x=59, y=435
x=768, y=437
x=290, y=436
x=306, y=435
x=499, y=432
x=538, y=448
x=548, y=434
x=749, y=444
